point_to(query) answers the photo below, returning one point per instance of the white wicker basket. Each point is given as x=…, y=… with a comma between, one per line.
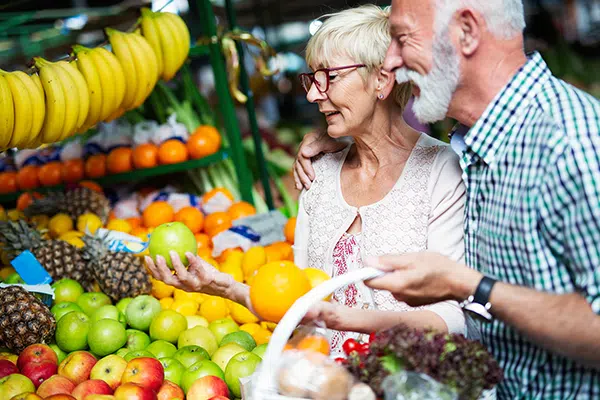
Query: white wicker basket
x=262, y=385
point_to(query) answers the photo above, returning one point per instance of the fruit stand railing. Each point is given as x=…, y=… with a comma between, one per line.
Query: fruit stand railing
x=226, y=107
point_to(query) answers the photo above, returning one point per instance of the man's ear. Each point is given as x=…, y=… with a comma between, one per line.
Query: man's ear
x=470, y=27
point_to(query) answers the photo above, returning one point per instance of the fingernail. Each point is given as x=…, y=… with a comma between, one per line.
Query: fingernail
x=147, y=259
x=172, y=253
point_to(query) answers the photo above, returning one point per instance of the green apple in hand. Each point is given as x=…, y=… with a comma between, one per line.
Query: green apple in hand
x=91, y=301
x=72, y=331
x=62, y=309
x=167, y=325
x=66, y=290
x=173, y=369
x=222, y=327
x=162, y=349
x=106, y=336
x=137, y=340
x=199, y=336
x=197, y=371
x=241, y=365
x=141, y=311
x=172, y=236
x=189, y=355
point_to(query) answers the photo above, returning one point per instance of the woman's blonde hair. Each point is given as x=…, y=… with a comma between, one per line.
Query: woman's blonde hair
x=360, y=33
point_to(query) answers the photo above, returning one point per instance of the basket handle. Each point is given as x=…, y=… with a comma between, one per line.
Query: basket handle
x=265, y=379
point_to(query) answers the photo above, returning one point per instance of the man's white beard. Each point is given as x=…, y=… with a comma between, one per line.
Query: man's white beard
x=438, y=86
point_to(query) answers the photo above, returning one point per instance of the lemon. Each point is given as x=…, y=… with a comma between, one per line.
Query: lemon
x=251, y=328
x=119, y=225
x=199, y=297
x=90, y=222
x=6, y=272
x=213, y=262
x=316, y=277
x=214, y=308
x=253, y=259
x=182, y=295
x=166, y=302
x=71, y=235
x=15, y=215
x=160, y=290
x=262, y=336
x=233, y=270
x=268, y=325
x=41, y=221
x=241, y=314
x=185, y=307
x=60, y=224
x=75, y=241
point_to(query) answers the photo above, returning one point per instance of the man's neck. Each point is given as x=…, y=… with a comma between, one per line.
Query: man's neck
x=482, y=80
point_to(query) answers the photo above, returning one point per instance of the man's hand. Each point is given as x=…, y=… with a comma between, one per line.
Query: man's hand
x=312, y=145
x=424, y=278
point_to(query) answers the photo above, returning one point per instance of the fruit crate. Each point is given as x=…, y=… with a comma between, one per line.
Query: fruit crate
x=262, y=384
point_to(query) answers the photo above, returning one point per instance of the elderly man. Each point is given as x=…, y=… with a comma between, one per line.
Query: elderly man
x=530, y=151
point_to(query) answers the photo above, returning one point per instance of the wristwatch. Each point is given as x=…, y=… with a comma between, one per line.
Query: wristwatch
x=478, y=303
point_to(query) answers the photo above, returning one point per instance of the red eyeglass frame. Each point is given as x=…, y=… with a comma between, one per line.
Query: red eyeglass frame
x=311, y=76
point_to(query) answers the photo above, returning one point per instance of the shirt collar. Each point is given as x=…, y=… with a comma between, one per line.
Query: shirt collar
x=491, y=133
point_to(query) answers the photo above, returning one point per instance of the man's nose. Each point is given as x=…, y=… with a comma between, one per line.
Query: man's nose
x=393, y=58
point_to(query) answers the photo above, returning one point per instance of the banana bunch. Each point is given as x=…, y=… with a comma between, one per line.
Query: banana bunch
x=169, y=37
x=22, y=110
x=105, y=80
x=139, y=64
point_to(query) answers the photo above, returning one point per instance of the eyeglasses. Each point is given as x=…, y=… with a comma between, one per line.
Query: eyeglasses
x=321, y=77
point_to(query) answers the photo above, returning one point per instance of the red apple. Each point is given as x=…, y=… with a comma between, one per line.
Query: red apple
x=100, y=397
x=144, y=371
x=93, y=386
x=7, y=368
x=26, y=396
x=61, y=396
x=9, y=356
x=207, y=387
x=38, y=372
x=170, y=391
x=133, y=391
x=55, y=385
x=36, y=353
x=77, y=366
x=219, y=398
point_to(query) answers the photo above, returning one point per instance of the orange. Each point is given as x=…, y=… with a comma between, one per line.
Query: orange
x=262, y=336
x=119, y=160
x=92, y=186
x=284, y=249
x=216, y=222
x=157, y=213
x=191, y=217
x=141, y=233
x=145, y=156
x=316, y=277
x=209, y=195
x=276, y=287
x=8, y=182
x=241, y=209
x=289, y=230
x=95, y=166
x=314, y=343
x=205, y=141
x=27, y=177
x=272, y=254
x=205, y=253
x=134, y=222
x=25, y=200
x=73, y=170
x=203, y=241
x=172, y=152
x=50, y=174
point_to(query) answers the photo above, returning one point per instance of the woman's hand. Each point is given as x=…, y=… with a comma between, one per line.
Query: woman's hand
x=312, y=145
x=327, y=312
x=199, y=276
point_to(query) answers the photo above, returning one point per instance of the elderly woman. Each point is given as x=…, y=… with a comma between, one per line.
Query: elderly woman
x=393, y=190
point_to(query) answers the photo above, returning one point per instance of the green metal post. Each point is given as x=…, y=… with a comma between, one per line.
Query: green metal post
x=226, y=104
x=245, y=86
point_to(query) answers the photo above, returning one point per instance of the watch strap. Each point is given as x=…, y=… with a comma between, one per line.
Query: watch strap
x=479, y=303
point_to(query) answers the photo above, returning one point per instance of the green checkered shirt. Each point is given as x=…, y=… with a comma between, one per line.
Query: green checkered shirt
x=532, y=171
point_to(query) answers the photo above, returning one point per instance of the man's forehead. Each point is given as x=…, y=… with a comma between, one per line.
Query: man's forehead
x=407, y=12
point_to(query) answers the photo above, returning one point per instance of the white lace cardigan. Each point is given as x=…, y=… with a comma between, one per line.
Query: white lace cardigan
x=423, y=211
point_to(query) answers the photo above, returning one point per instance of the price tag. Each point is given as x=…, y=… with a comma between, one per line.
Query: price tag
x=268, y=225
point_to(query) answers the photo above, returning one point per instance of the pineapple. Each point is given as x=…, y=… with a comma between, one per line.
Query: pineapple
x=24, y=319
x=74, y=203
x=119, y=274
x=59, y=258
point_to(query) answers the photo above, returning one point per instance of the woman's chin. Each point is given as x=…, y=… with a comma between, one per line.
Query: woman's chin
x=335, y=132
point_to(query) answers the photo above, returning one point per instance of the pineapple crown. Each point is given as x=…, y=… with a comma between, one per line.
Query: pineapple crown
x=96, y=246
x=48, y=205
x=18, y=236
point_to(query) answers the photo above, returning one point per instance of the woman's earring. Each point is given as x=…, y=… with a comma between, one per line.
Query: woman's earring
x=380, y=96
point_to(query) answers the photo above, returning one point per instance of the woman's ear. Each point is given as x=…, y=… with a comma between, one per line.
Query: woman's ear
x=385, y=83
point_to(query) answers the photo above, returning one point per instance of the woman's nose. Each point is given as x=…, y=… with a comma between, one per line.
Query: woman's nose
x=393, y=57
x=314, y=94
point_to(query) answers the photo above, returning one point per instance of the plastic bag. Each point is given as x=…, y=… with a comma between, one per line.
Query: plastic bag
x=234, y=237
x=72, y=151
x=143, y=131
x=217, y=203
x=409, y=385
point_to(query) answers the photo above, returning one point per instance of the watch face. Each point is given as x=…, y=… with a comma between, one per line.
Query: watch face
x=479, y=311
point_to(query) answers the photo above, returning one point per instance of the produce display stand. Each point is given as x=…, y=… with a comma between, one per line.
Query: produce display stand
x=225, y=103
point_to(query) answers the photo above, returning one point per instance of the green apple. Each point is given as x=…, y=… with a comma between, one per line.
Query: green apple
x=222, y=327
x=242, y=338
x=109, y=312
x=141, y=311
x=72, y=331
x=190, y=355
x=66, y=290
x=199, y=336
x=261, y=349
x=123, y=303
x=137, y=340
x=173, y=369
x=62, y=309
x=195, y=320
x=59, y=353
x=172, y=236
x=122, y=352
x=240, y=366
x=14, y=384
x=138, y=354
x=15, y=278
x=106, y=336
x=167, y=325
x=162, y=349
x=197, y=371
x=91, y=301
x=226, y=353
